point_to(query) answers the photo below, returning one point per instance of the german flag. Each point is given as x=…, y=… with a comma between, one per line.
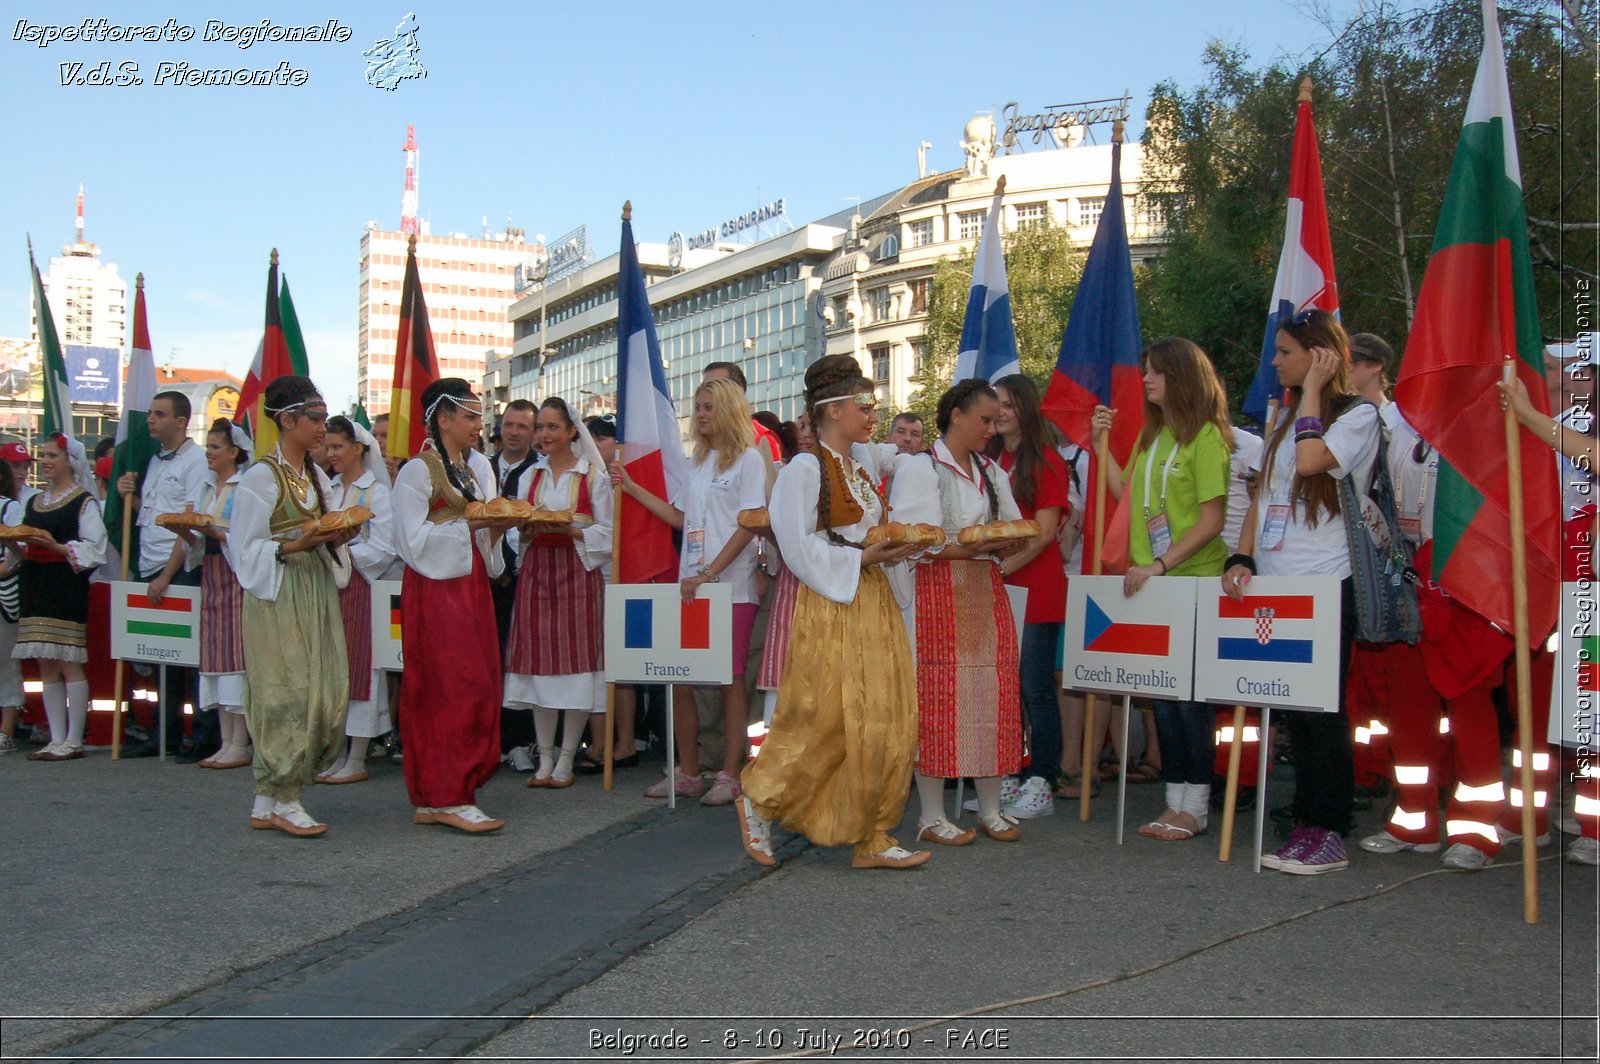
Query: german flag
x=272, y=360
x=415, y=365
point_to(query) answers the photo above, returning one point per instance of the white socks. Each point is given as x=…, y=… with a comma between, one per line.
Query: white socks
x=988, y=788
x=262, y=809
x=1197, y=802
x=54, y=697
x=77, y=710
x=930, y=793
x=1175, y=795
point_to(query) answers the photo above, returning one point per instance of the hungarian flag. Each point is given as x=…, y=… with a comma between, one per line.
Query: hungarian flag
x=988, y=337
x=647, y=428
x=271, y=361
x=57, y=415
x=1099, y=358
x=1475, y=318
x=1305, y=278
x=415, y=365
x=135, y=447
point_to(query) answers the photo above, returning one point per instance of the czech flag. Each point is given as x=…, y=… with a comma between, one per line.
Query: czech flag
x=415, y=364
x=988, y=338
x=1305, y=266
x=647, y=428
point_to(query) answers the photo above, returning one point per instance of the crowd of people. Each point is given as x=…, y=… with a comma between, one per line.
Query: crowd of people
x=871, y=667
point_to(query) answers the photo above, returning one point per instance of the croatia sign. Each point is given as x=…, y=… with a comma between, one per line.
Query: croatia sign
x=1277, y=647
x=653, y=636
x=1142, y=645
x=166, y=633
x=385, y=624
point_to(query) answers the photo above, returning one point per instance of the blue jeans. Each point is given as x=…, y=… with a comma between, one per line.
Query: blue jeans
x=1038, y=683
x=1187, y=732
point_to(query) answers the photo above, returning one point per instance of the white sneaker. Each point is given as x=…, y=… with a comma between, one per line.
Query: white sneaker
x=519, y=759
x=1383, y=842
x=7, y=744
x=1584, y=851
x=1466, y=858
x=1507, y=837
x=1034, y=799
x=1009, y=789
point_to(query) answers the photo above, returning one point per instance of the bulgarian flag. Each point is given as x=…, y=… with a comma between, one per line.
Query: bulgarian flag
x=415, y=365
x=272, y=360
x=135, y=447
x=57, y=416
x=1475, y=317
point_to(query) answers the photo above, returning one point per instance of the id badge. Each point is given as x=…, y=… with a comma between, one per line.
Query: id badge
x=147, y=515
x=1411, y=528
x=694, y=547
x=1160, y=534
x=1277, y=523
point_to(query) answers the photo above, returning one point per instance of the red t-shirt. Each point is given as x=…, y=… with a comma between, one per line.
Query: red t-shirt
x=1044, y=577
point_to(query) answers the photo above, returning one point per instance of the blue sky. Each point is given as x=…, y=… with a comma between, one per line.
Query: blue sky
x=547, y=114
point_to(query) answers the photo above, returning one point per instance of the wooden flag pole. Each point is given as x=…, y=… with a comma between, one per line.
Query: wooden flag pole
x=1102, y=447
x=1519, y=609
x=116, y=717
x=611, y=687
x=1230, y=801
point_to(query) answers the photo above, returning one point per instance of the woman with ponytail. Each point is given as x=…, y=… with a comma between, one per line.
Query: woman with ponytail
x=296, y=678
x=554, y=654
x=56, y=566
x=450, y=689
x=970, y=717
x=837, y=760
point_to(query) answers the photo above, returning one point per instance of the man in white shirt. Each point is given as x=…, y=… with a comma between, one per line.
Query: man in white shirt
x=170, y=483
x=513, y=468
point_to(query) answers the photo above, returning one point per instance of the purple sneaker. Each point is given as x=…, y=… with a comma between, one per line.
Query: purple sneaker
x=1324, y=852
x=1298, y=839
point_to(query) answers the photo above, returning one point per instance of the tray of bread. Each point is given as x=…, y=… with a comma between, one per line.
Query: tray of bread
x=184, y=519
x=560, y=518
x=337, y=521
x=903, y=535
x=756, y=519
x=506, y=512
x=997, y=533
x=16, y=533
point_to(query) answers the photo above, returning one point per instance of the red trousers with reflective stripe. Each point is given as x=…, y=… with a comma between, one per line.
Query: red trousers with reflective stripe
x=1543, y=677
x=1475, y=740
x=1369, y=700
x=1414, y=710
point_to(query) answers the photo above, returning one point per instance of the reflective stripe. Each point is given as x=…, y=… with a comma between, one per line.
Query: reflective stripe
x=1583, y=805
x=1379, y=728
x=1454, y=828
x=1541, y=762
x=1540, y=798
x=1494, y=792
x=1444, y=725
x=1363, y=736
x=1252, y=734
x=1589, y=771
x=1552, y=644
x=1411, y=775
x=1409, y=821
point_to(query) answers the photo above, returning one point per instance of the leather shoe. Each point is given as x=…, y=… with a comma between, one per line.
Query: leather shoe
x=140, y=748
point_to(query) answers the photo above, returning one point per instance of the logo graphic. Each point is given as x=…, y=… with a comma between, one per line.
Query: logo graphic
x=1104, y=636
x=395, y=60
x=1263, y=611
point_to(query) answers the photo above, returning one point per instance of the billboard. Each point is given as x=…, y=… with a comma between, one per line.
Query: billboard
x=94, y=374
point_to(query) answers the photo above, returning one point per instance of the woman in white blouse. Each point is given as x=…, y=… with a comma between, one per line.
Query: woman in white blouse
x=837, y=761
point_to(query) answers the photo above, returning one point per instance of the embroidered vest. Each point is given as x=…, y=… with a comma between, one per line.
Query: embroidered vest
x=445, y=503
x=291, y=512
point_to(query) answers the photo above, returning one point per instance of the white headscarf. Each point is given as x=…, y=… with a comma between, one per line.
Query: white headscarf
x=241, y=439
x=78, y=460
x=587, y=448
x=371, y=458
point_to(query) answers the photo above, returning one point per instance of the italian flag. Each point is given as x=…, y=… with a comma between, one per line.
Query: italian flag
x=1475, y=317
x=57, y=415
x=135, y=447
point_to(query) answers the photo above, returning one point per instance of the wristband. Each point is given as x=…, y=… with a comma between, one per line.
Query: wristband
x=1308, y=424
x=1307, y=434
x=1163, y=563
x=1240, y=559
x=708, y=573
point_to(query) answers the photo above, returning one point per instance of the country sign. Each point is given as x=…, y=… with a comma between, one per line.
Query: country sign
x=165, y=632
x=653, y=636
x=1277, y=647
x=1575, y=694
x=1138, y=645
x=385, y=624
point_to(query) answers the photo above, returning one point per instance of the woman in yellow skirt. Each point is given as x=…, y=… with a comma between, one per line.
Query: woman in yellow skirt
x=836, y=763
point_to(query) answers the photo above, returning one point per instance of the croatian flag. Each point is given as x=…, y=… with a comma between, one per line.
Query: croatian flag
x=1103, y=635
x=1264, y=627
x=648, y=627
x=988, y=339
x=1305, y=266
x=647, y=428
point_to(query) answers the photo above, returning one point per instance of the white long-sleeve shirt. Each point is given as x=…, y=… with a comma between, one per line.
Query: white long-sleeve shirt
x=831, y=570
x=916, y=497
x=372, y=551
x=251, y=544
x=560, y=492
x=441, y=551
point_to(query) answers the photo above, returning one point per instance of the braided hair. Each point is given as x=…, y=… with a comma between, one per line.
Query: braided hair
x=963, y=396
x=828, y=378
x=446, y=389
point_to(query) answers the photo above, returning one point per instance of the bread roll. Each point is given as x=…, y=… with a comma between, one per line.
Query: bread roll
x=337, y=521
x=541, y=516
x=508, y=510
x=996, y=532
x=756, y=519
x=903, y=535
x=186, y=519
x=17, y=532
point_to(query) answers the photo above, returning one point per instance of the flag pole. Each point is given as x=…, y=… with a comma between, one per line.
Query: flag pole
x=1519, y=607
x=611, y=686
x=1090, y=732
x=1230, y=801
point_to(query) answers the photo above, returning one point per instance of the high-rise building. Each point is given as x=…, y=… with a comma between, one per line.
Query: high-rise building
x=468, y=285
x=88, y=299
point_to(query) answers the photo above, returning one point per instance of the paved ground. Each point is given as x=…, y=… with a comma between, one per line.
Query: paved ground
x=597, y=920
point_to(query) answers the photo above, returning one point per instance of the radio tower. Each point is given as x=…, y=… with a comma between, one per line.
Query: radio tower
x=408, y=202
x=79, y=246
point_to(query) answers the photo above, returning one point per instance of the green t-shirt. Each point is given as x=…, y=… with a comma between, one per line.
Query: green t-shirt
x=1198, y=473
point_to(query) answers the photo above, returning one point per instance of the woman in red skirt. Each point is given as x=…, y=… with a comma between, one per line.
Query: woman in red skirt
x=450, y=690
x=553, y=658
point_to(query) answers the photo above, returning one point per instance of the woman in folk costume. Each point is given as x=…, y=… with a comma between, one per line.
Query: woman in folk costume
x=222, y=676
x=554, y=654
x=11, y=695
x=362, y=480
x=836, y=763
x=785, y=591
x=970, y=716
x=54, y=601
x=296, y=679
x=450, y=689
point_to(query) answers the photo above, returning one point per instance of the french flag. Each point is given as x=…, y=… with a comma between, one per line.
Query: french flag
x=647, y=427
x=988, y=339
x=1305, y=266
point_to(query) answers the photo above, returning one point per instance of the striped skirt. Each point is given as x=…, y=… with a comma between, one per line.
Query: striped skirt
x=556, y=628
x=775, y=654
x=221, y=610
x=969, y=719
x=355, y=605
